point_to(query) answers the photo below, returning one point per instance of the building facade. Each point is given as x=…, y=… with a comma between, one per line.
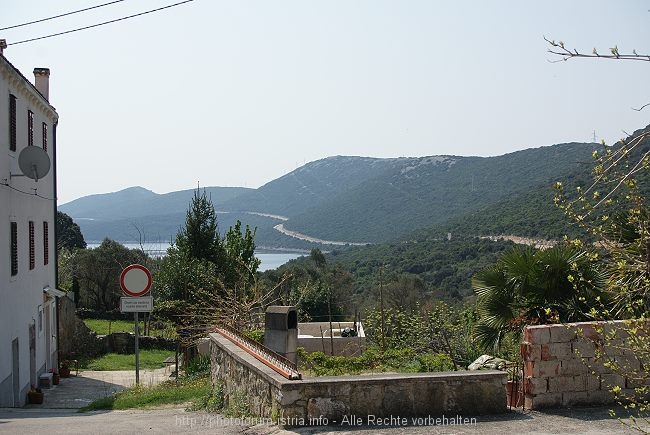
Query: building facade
x=28, y=312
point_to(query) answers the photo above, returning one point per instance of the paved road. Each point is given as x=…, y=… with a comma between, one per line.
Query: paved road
x=591, y=421
x=59, y=415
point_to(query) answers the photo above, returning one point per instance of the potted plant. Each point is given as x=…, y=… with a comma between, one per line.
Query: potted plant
x=55, y=376
x=64, y=370
x=514, y=387
x=35, y=395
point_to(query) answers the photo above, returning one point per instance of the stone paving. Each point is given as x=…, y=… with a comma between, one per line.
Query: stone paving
x=78, y=391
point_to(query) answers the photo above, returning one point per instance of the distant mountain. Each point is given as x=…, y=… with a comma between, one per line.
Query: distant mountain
x=421, y=192
x=310, y=185
x=138, y=202
x=360, y=199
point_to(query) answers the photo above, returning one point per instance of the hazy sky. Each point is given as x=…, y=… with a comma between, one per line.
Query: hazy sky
x=238, y=93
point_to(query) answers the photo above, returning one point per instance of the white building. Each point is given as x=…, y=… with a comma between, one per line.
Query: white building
x=27, y=241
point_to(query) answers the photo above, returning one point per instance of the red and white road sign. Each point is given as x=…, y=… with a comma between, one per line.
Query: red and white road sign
x=135, y=280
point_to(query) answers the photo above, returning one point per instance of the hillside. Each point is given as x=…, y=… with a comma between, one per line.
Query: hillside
x=136, y=202
x=310, y=185
x=429, y=191
x=360, y=199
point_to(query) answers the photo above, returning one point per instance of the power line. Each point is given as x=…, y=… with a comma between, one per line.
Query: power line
x=101, y=24
x=61, y=15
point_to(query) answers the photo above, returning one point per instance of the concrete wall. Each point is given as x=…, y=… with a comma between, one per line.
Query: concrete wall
x=24, y=304
x=561, y=367
x=309, y=338
x=332, y=397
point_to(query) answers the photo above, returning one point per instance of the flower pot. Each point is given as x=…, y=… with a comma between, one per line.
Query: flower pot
x=514, y=395
x=64, y=372
x=55, y=378
x=35, y=397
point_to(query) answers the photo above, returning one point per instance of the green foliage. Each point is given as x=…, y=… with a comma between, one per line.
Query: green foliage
x=440, y=328
x=98, y=270
x=104, y=327
x=68, y=233
x=184, y=278
x=528, y=286
x=430, y=191
x=613, y=209
x=193, y=390
x=255, y=334
x=373, y=361
x=214, y=401
x=418, y=271
x=316, y=288
x=240, y=260
x=201, y=264
x=199, y=238
x=198, y=366
x=438, y=362
x=148, y=359
x=237, y=405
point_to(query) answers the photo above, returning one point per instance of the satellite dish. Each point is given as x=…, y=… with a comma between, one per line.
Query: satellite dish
x=33, y=163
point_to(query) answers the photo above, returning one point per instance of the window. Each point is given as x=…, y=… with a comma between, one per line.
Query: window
x=46, y=244
x=14, y=248
x=30, y=128
x=32, y=255
x=12, y=122
x=44, y=136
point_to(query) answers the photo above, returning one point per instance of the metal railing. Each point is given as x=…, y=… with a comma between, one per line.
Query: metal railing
x=270, y=358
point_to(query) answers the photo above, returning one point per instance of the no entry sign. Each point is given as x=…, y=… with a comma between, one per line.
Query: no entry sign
x=135, y=280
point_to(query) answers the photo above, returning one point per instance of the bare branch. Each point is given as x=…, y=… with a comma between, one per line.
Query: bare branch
x=642, y=107
x=559, y=49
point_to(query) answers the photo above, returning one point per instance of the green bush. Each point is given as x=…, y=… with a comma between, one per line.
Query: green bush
x=373, y=360
x=439, y=362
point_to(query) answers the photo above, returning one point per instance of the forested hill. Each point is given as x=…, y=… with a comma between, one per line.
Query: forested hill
x=136, y=202
x=311, y=185
x=423, y=192
x=356, y=199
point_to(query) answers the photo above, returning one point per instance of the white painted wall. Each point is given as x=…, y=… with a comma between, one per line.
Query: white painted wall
x=21, y=200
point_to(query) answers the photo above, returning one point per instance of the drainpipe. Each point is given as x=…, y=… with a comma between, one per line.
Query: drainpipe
x=56, y=250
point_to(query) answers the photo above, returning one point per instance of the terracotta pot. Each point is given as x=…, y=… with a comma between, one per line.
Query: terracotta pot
x=55, y=378
x=35, y=397
x=514, y=395
x=64, y=372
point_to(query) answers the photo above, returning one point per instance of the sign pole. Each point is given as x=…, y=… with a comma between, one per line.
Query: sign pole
x=135, y=281
x=137, y=350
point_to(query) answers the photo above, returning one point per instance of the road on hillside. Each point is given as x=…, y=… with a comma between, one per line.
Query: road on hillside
x=300, y=236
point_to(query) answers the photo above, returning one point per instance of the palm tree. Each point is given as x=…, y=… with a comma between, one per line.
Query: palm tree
x=528, y=286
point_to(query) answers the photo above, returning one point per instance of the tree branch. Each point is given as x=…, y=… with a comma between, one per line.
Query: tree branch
x=559, y=49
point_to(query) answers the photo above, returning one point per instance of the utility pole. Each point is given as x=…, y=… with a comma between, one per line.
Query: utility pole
x=329, y=312
x=381, y=305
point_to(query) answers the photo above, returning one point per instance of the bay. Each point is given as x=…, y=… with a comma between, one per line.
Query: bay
x=270, y=259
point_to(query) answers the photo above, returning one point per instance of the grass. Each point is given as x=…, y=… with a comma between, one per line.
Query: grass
x=167, y=393
x=105, y=327
x=194, y=387
x=149, y=359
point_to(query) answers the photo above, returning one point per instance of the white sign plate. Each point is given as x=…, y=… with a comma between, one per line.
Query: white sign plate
x=142, y=304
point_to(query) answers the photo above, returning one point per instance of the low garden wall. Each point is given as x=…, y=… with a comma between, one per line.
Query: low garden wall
x=315, y=337
x=562, y=367
x=332, y=399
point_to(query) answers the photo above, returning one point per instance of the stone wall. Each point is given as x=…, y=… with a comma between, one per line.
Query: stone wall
x=332, y=397
x=75, y=338
x=561, y=367
x=124, y=342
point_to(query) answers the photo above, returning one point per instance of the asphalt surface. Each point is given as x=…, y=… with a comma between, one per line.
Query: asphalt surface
x=59, y=415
